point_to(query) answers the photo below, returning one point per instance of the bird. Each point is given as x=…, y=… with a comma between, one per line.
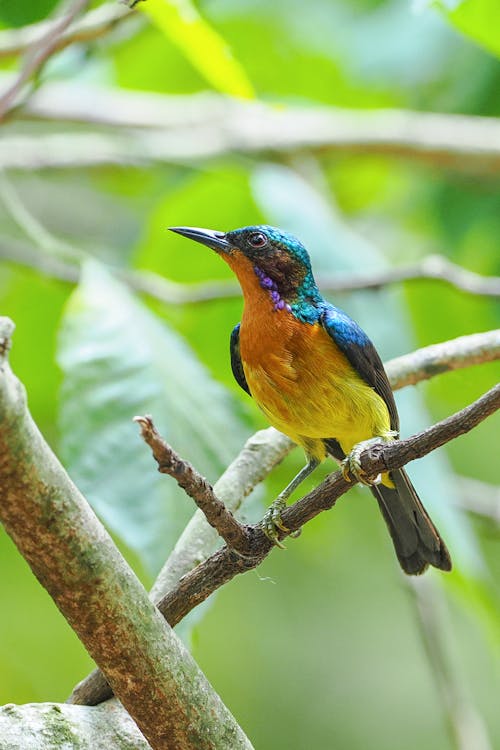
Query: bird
x=319, y=379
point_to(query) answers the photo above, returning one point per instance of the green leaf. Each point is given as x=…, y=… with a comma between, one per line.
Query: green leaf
x=478, y=19
x=118, y=360
x=14, y=13
x=180, y=21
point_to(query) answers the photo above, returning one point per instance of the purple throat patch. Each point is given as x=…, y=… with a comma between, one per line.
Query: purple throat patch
x=270, y=286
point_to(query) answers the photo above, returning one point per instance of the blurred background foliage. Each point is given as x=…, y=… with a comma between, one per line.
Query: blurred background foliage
x=324, y=645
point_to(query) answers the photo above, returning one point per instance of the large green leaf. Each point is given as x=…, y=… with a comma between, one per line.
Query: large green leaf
x=180, y=21
x=478, y=19
x=118, y=360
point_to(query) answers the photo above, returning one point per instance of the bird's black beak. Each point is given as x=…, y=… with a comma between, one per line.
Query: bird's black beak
x=216, y=240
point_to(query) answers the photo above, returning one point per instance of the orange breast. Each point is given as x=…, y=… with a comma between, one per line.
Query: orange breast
x=300, y=379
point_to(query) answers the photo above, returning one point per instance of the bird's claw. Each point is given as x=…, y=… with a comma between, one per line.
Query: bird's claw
x=272, y=523
x=352, y=464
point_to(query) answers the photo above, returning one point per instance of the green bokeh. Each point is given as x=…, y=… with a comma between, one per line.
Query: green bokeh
x=14, y=13
x=319, y=647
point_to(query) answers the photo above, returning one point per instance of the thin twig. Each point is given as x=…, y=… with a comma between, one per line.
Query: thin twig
x=93, y=25
x=376, y=460
x=173, y=293
x=264, y=450
x=195, y=585
x=170, y=292
x=432, y=267
x=193, y=484
x=238, y=536
x=45, y=263
x=48, y=243
x=37, y=54
x=225, y=564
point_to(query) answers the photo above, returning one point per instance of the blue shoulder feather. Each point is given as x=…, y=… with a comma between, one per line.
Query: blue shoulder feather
x=361, y=353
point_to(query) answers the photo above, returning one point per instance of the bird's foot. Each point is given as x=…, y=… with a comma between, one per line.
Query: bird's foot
x=352, y=464
x=272, y=523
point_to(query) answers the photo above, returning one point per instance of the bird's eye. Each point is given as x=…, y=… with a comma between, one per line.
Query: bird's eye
x=257, y=239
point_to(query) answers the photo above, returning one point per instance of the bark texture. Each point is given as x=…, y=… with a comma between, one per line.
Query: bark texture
x=75, y=559
x=55, y=726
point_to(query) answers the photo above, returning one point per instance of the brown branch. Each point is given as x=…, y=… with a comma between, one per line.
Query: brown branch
x=194, y=485
x=93, y=25
x=378, y=459
x=75, y=559
x=38, y=54
x=225, y=564
x=403, y=371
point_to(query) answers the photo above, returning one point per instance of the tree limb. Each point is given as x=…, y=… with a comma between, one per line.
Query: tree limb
x=145, y=127
x=194, y=485
x=267, y=448
x=96, y=23
x=37, y=54
x=264, y=450
x=51, y=726
x=435, y=359
x=74, y=558
x=225, y=564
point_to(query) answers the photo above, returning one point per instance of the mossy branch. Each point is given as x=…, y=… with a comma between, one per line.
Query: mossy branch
x=75, y=559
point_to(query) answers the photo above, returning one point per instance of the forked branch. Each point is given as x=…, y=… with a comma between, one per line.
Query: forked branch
x=252, y=544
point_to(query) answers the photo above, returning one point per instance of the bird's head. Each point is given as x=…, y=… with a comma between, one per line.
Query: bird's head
x=278, y=260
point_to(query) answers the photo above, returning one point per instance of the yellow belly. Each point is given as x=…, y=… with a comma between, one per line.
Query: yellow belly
x=307, y=388
x=300, y=379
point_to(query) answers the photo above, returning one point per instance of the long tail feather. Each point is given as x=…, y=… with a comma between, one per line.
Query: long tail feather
x=417, y=542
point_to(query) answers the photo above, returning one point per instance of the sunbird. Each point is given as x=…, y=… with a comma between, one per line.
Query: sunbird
x=319, y=379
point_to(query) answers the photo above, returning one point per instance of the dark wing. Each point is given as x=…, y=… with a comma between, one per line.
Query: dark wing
x=236, y=363
x=359, y=350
